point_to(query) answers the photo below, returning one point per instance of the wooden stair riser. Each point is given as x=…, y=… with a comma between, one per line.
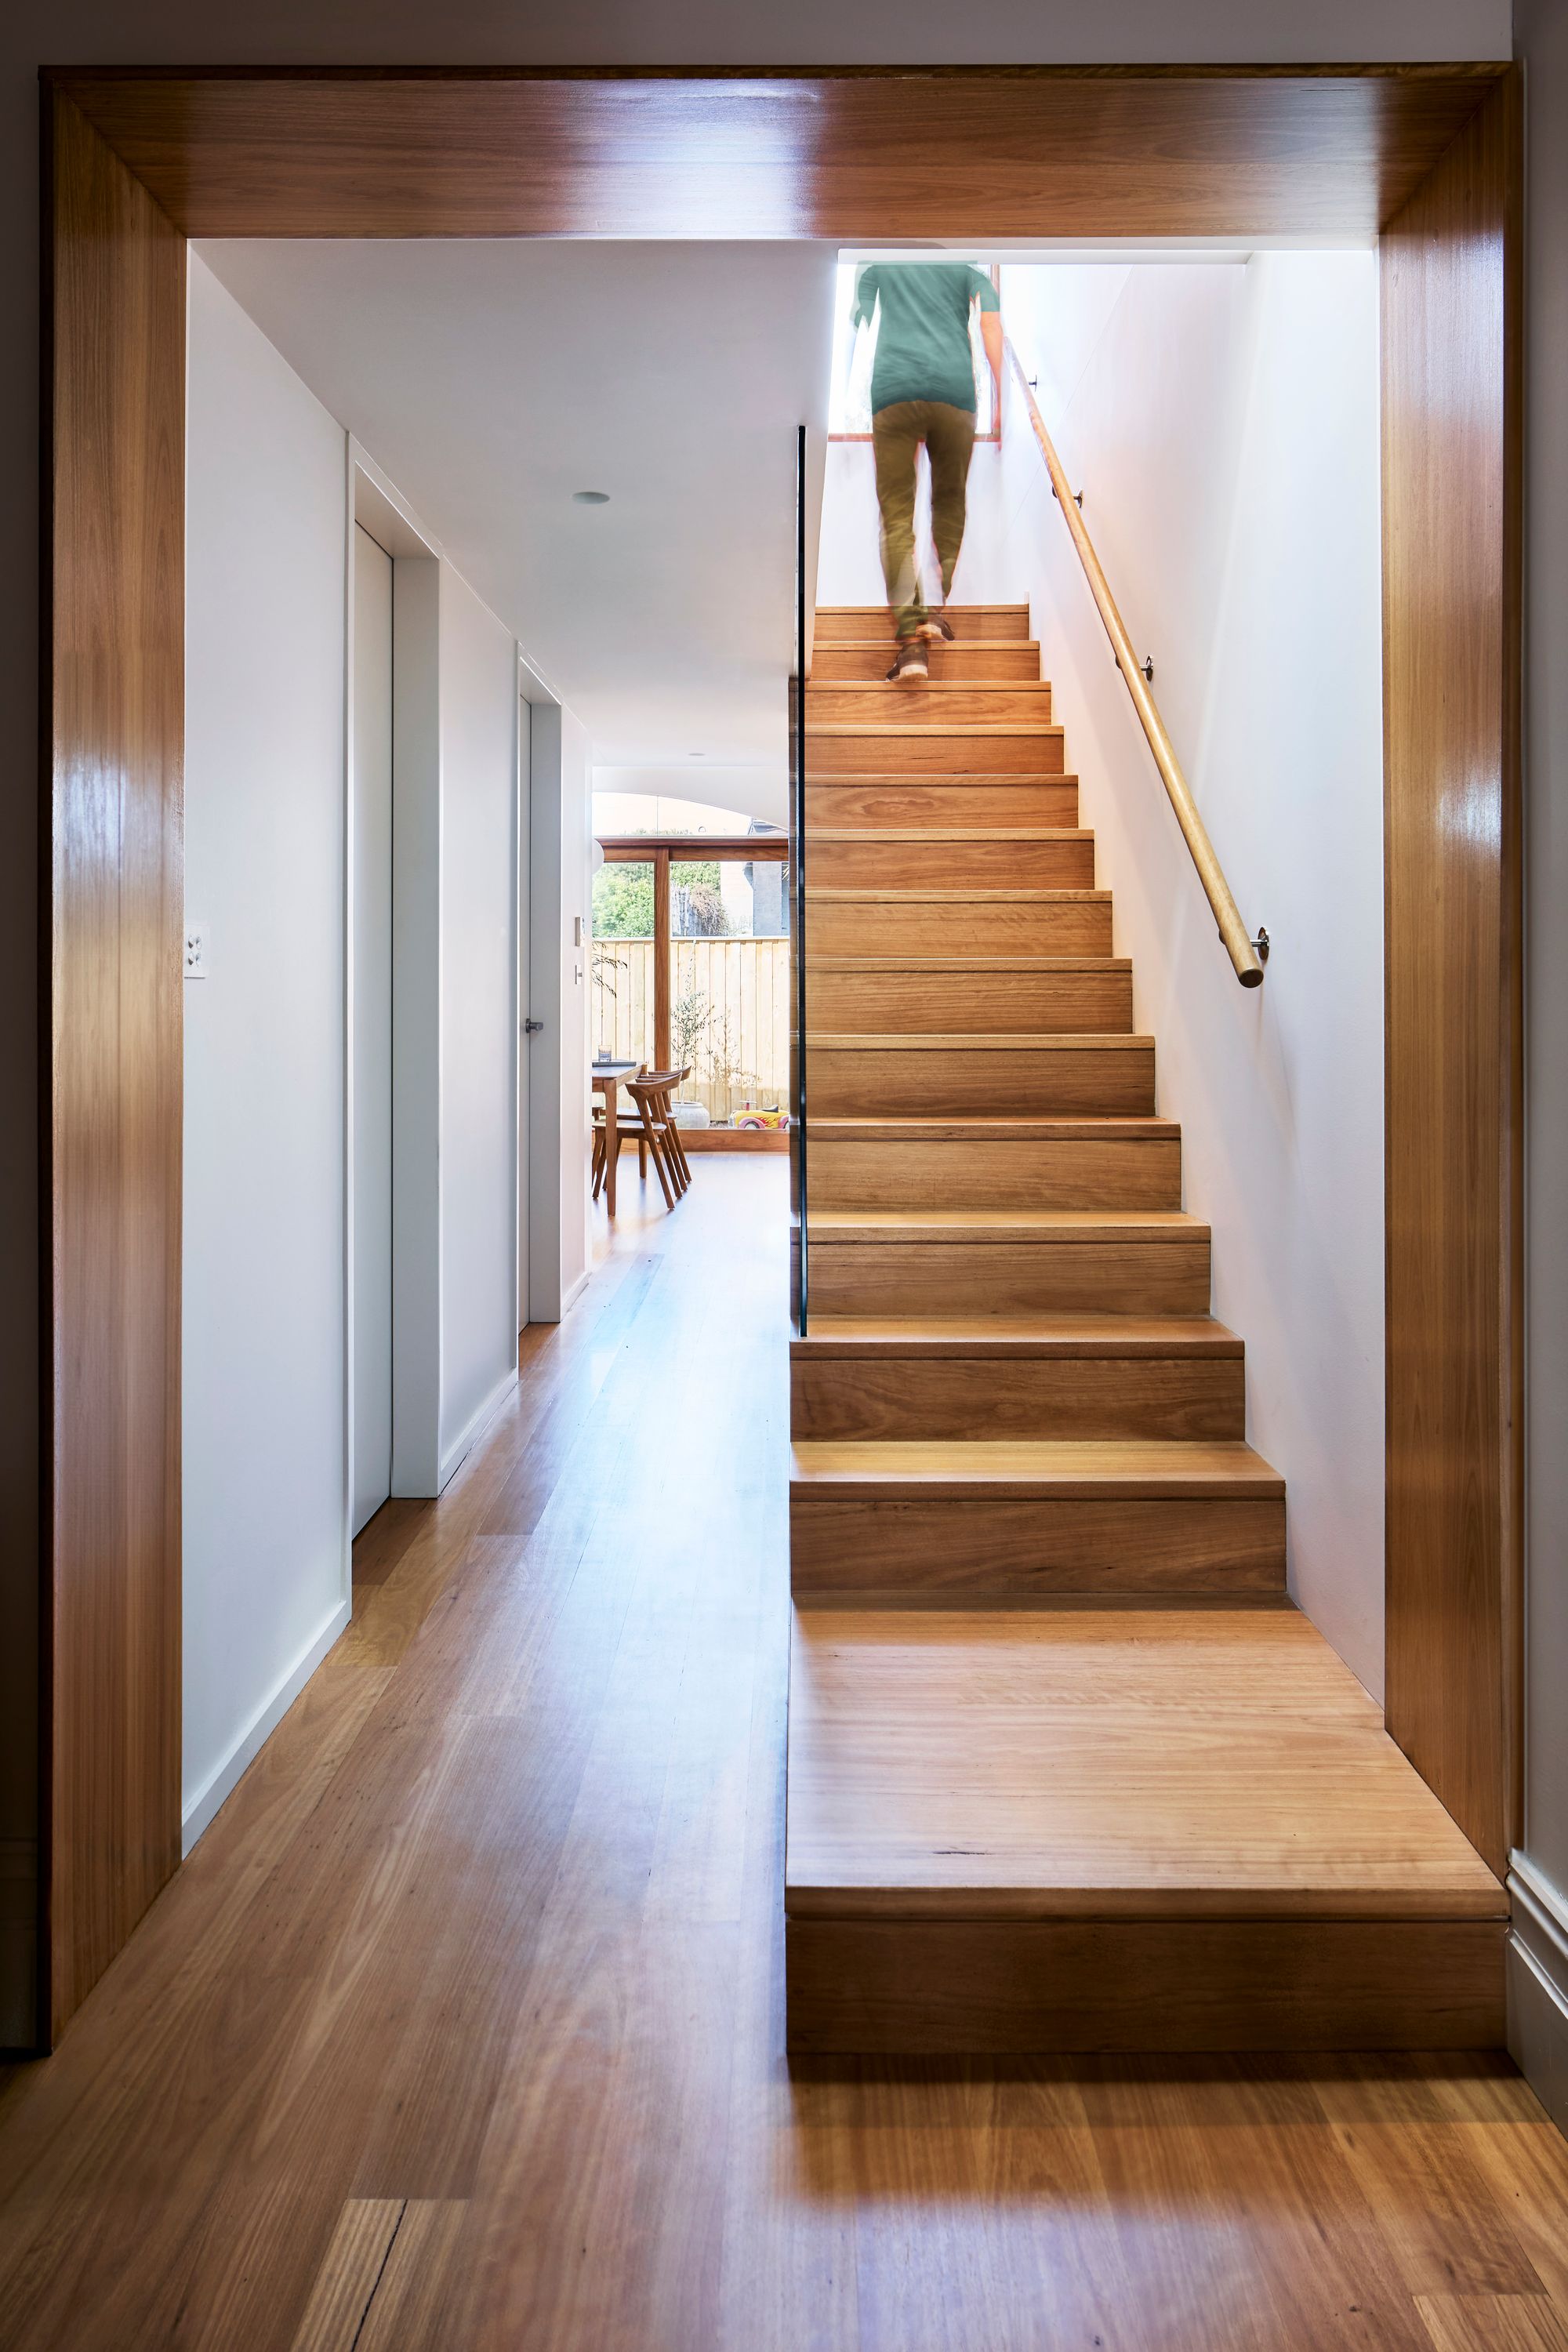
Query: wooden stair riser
x=954, y=801
x=997, y=1988
x=866, y=924
x=966, y=662
x=849, y=1544
x=1070, y=1174
x=929, y=1396
x=933, y=750
x=935, y=703
x=856, y=1276
x=1055, y=1078
x=1005, y=863
x=839, y=623
x=1100, y=1001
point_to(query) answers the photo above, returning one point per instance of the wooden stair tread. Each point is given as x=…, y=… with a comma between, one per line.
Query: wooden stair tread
x=987, y=727
x=977, y=1127
x=862, y=833
x=881, y=612
x=931, y=684
x=1145, y=1468
x=971, y=963
x=880, y=645
x=874, y=1336
x=1005, y=1224
x=993, y=1041
x=921, y=894
x=870, y=780
x=1103, y=1763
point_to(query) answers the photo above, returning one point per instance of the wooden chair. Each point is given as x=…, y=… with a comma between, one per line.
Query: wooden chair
x=651, y=1091
x=600, y=1160
x=622, y=1134
x=656, y=1131
x=667, y=1082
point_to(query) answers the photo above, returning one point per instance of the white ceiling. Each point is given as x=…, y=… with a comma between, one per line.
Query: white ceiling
x=490, y=379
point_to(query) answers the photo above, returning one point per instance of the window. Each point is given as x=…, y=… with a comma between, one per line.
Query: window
x=620, y=1002
x=729, y=984
x=690, y=965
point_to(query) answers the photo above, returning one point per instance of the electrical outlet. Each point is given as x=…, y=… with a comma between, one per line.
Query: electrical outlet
x=196, y=951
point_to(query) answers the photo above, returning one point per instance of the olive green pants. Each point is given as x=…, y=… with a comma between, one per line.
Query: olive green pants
x=896, y=436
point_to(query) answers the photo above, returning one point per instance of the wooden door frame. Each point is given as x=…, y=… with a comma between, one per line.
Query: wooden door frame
x=135, y=162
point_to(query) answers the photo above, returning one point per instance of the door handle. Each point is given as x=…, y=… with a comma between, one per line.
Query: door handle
x=530, y=1027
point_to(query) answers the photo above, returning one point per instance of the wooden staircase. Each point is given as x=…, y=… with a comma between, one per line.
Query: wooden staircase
x=1067, y=1770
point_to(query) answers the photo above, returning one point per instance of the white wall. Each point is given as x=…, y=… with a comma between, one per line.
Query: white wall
x=266, y=1585
x=748, y=792
x=1221, y=422
x=478, y=1016
x=415, y=1022
x=264, y=1496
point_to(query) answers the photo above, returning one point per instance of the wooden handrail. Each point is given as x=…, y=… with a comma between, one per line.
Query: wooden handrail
x=1232, y=929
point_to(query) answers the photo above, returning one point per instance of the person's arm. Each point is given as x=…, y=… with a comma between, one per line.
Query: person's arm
x=991, y=336
x=863, y=302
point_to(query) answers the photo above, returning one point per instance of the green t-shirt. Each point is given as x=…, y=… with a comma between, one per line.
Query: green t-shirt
x=922, y=342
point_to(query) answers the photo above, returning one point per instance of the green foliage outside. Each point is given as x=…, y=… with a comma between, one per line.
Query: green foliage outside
x=623, y=902
x=623, y=899
x=697, y=908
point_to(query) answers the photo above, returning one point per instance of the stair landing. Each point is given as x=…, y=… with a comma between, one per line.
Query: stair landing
x=1093, y=1829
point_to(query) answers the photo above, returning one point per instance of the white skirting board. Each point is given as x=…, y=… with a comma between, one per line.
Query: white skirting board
x=206, y=1803
x=461, y=1446
x=1538, y=1986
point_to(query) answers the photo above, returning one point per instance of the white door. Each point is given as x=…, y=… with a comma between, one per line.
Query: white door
x=371, y=880
x=524, y=808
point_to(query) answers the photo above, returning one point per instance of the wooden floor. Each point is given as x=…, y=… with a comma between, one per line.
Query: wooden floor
x=463, y=2026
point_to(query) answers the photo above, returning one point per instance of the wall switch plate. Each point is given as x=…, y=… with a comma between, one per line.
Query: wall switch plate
x=196, y=951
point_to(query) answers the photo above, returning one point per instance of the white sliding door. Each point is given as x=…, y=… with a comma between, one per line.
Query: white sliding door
x=525, y=802
x=371, y=881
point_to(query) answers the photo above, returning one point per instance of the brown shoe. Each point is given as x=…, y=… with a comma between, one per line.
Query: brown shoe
x=910, y=668
x=936, y=629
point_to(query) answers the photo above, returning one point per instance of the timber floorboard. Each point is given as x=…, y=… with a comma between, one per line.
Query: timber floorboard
x=463, y=2024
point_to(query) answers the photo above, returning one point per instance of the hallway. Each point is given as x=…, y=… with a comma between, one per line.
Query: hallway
x=463, y=2024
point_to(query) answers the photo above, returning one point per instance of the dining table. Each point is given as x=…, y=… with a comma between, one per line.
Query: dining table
x=607, y=1078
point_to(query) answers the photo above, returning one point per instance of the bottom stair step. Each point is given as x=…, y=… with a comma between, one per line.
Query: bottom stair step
x=1116, y=1830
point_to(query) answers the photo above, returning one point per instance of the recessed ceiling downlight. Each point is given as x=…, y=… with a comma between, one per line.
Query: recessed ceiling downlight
x=590, y=498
